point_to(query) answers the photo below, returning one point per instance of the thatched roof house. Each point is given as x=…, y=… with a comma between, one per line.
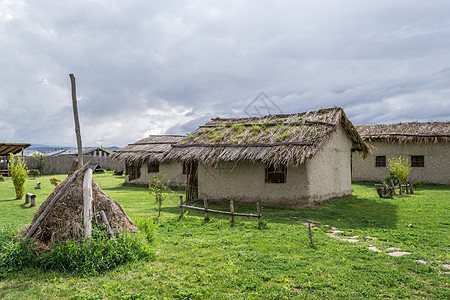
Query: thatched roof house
x=289, y=159
x=425, y=145
x=143, y=159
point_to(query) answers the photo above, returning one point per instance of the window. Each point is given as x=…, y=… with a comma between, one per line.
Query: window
x=380, y=161
x=153, y=167
x=133, y=171
x=275, y=174
x=418, y=161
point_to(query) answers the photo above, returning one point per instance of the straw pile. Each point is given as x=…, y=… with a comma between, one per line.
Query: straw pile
x=276, y=139
x=429, y=132
x=65, y=220
x=151, y=149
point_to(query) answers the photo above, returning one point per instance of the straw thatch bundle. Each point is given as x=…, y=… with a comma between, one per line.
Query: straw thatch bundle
x=429, y=132
x=152, y=149
x=276, y=139
x=65, y=219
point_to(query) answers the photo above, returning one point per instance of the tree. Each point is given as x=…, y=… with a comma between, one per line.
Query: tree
x=39, y=162
x=398, y=169
x=19, y=175
x=157, y=186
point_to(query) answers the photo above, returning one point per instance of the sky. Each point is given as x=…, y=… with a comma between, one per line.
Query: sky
x=165, y=67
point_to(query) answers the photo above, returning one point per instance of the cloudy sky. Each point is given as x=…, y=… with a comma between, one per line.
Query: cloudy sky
x=164, y=67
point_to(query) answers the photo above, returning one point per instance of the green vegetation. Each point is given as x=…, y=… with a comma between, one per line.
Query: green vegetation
x=19, y=175
x=40, y=163
x=158, y=187
x=399, y=168
x=216, y=260
x=34, y=173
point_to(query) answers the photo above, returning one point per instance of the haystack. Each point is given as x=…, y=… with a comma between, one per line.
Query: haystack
x=64, y=221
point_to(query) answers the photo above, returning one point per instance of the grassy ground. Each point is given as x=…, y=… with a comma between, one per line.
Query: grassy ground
x=216, y=260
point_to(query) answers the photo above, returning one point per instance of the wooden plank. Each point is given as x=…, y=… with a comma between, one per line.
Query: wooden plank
x=220, y=212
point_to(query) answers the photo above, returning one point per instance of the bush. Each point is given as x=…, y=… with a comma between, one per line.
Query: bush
x=2, y=178
x=39, y=163
x=19, y=175
x=54, y=181
x=100, y=254
x=34, y=173
x=398, y=170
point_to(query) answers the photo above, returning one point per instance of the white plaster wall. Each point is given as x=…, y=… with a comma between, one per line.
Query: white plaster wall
x=172, y=170
x=245, y=182
x=329, y=171
x=436, y=157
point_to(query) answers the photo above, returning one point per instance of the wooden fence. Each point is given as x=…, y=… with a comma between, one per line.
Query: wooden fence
x=61, y=164
x=386, y=191
x=231, y=212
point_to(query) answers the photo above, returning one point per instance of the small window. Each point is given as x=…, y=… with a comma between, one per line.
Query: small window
x=153, y=167
x=133, y=171
x=380, y=161
x=275, y=174
x=418, y=161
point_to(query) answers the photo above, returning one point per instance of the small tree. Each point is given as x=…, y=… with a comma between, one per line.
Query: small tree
x=39, y=162
x=398, y=169
x=157, y=186
x=19, y=175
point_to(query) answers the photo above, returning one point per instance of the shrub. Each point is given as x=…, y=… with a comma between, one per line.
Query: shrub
x=34, y=173
x=19, y=175
x=100, y=254
x=398, y=170
x=2, y=178
x=39, y=163
x=54, y=181
x=157, y=186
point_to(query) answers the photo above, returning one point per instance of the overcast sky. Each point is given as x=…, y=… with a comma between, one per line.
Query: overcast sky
x=164, y=67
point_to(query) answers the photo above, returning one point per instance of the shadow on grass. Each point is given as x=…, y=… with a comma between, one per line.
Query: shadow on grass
x=9, y=200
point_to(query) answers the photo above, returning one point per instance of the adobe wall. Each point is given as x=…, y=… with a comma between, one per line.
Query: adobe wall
x=172, y=170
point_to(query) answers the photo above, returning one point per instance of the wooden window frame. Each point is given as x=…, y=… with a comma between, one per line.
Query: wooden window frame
x=380, y=161
x=276, y=175
x=152, y=167
x=133, y=171
x=417, y=161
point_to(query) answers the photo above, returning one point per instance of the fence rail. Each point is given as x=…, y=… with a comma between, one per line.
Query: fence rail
x=231, y=212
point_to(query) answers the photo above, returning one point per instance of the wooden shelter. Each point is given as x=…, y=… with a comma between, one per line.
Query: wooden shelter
x=5, y=150
x=143, y=159
x=289, y=159
x=426, y=146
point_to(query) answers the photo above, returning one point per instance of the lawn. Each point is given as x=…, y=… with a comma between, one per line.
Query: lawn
x=218, y=260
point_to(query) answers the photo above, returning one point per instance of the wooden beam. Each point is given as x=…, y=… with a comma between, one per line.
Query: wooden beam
x=77, y=122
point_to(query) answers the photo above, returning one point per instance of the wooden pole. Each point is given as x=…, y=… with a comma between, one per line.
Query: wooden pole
x=77, y=122
x=205, y=202
x=232, y=211
x=181, y=205
x=310, y=235
x=258, y=211
x=105, y=220
x=87, y=201
x=49, y=207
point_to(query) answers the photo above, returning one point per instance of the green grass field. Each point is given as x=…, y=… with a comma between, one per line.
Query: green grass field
x=215, y=260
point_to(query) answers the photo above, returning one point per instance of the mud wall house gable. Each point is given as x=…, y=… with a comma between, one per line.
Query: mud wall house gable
x=426, y=145
x=310, y=150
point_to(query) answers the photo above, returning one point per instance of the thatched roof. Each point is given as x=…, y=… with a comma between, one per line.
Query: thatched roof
x=277, y=139
x=429, y=132
x=14, y=148
x=152, y=148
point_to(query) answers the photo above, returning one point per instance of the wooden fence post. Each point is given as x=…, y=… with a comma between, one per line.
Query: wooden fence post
x=410, y=186
x=232, y=211
x=87, y=200
x=393, y=187
x=258, y=211
x=181, y=205
x=205, y=202
x=310, y=234
x=400, y=186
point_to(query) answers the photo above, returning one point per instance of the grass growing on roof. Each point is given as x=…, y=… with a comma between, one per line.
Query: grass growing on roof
x=215, y=260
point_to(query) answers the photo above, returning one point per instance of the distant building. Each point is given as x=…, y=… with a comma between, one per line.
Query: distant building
x=143, y=160
x=425, y=145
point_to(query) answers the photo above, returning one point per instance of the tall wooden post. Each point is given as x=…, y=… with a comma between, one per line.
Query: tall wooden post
x=205, y=202
x=232, y=211
x=77, y=122
x=87, y=200
x=181, y=205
